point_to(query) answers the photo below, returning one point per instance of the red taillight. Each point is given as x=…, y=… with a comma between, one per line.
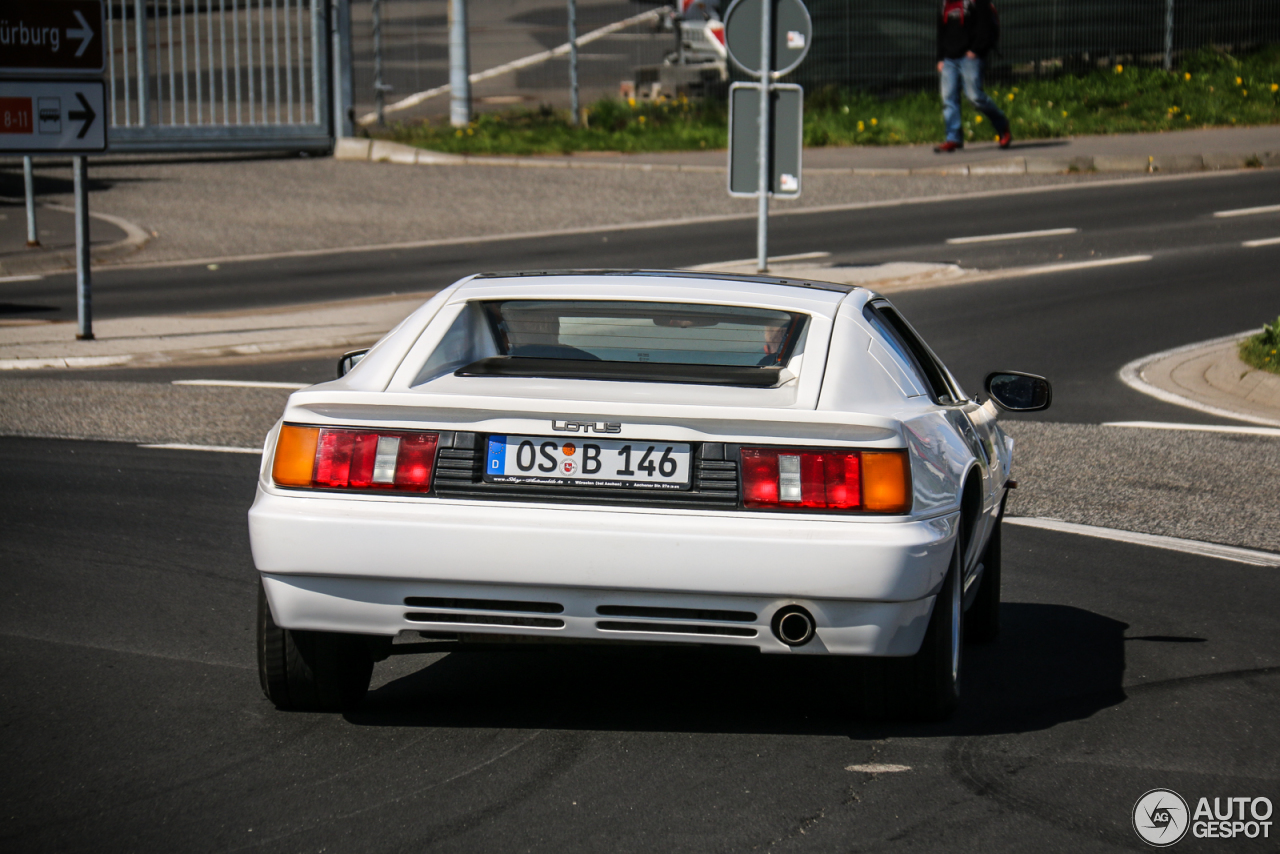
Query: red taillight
x=775, y=479
x=355, y=459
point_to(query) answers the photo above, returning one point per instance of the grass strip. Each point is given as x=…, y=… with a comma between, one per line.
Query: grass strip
x=1260, y=351
x=1211, y=88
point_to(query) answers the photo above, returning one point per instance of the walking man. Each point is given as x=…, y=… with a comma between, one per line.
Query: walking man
x=967, y=32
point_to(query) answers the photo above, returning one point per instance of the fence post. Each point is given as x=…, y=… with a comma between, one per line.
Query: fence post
x=573, y=62
x=459, y=66
x=343, y=96
x=379, y=91
x=144, y=83
x=1168, y=35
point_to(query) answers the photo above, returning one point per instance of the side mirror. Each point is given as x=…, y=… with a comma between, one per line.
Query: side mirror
x=1019, y=392
x=349, y=361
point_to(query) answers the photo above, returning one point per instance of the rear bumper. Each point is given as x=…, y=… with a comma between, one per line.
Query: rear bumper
x=348, y=563
x=377, y=607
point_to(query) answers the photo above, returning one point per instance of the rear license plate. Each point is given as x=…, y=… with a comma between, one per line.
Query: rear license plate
x=587, y=462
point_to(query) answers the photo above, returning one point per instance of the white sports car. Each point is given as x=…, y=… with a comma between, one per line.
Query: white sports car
x=636, y=456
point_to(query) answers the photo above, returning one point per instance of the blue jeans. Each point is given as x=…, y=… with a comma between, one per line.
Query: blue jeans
x=970, y=71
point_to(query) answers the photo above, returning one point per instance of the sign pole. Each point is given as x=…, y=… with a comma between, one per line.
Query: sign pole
x=762, y=204
x=84, y=296
x=33, y=239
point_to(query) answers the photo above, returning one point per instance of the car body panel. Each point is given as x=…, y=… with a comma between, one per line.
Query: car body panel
x=338, y=561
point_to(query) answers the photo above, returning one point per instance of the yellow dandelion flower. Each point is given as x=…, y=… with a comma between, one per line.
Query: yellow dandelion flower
x=1275, y=87
x=1010, y=96
x=977, y=120
x=874, y=122
x=861, y=127
x=1239, y=81
x=640, y=120
x=1064, y=114
x=1119, y=69
x=1245, y=92
x=1187, y=76
x=631, y=102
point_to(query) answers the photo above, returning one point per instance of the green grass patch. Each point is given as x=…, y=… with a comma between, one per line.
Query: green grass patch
x=1262, y=351
x=1210, y=89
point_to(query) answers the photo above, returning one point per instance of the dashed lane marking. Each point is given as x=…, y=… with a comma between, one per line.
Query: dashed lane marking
x=1232, y=553
x=221, y=449
x=1249, y=211
x=878, y=768
x=7, y=279
x=1254, y=244
x=803, y=256
x=1013, y=235
x=242, y=383
x=1207, y=428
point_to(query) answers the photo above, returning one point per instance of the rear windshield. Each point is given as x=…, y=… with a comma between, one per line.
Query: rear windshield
x=663, y=333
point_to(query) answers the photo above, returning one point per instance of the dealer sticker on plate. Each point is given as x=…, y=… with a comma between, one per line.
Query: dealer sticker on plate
x=587, y=462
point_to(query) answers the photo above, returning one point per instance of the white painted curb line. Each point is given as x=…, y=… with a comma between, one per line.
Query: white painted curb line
x=1232, y=553
x=1131, y=375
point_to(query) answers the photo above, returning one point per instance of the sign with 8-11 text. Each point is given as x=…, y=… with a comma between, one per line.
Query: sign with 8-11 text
x=52, y=116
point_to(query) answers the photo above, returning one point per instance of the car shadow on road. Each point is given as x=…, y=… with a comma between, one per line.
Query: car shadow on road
x=1052, y=663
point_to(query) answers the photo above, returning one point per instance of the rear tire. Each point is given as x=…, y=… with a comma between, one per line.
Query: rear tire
x=310, y=671
x=982, y=622
x=925, y=686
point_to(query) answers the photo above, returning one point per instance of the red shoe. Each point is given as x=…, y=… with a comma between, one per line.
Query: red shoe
x=1006, y=139
x=948, y=147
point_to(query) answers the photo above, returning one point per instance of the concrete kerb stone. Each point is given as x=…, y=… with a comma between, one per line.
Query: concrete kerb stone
x=385, y=151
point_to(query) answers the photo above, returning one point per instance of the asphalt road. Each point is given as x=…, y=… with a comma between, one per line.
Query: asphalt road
x=133, y=719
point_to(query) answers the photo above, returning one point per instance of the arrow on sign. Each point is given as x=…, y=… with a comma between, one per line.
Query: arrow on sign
x=87, y=115
x=85, y=34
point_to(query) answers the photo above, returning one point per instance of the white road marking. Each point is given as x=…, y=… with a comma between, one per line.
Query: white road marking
x=1014, y=235
x=1078, y=265
x=221, y=449
x=878, y=768
x=1207, y=428
x=242, y=383
x=1268, y=241
x=6, y=279
x=803, y=256
x=1249, y=211
x=1131, y=375
x=1232, y=553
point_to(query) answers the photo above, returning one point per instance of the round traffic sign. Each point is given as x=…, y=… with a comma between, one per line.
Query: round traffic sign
x=792, y=34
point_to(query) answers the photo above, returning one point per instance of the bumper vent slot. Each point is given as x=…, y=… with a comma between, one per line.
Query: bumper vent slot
x=675, y=629
x=485, y=620
x=484, y=605
x=675, y=613
x=459, y=475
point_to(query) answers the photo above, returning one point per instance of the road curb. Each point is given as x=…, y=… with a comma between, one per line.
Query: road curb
x=1209, y=377
x=385, y=151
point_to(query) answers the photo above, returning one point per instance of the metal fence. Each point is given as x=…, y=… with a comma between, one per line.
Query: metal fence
x=415, y=50
x=887, y=45
x=217, y=74
x=875, y=45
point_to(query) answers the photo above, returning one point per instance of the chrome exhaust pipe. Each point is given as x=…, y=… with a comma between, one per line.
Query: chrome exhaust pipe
x=793, y=625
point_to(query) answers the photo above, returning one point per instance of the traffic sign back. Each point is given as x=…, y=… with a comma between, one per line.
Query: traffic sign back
x=792, y=35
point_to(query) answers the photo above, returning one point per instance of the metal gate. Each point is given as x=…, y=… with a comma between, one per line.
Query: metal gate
x=218, y=75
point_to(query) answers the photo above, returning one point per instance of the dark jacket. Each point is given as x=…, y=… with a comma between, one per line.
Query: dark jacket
x=966, y=25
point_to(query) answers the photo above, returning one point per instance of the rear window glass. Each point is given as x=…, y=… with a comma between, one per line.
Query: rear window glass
x=663, y=333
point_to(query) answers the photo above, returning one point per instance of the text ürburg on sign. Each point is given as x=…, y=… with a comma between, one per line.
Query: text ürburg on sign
x=51, y=36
